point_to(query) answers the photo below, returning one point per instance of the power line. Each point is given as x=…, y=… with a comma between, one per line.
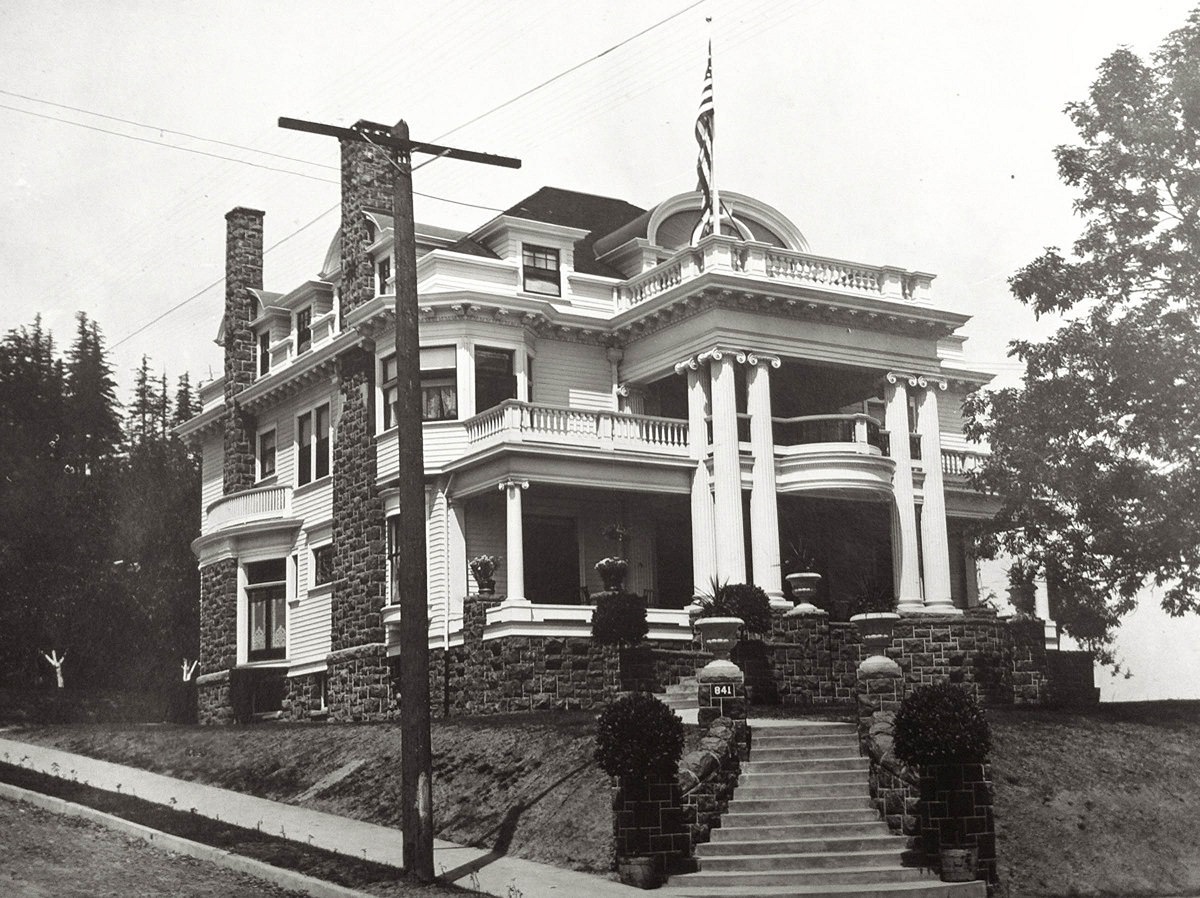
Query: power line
x=126, y=121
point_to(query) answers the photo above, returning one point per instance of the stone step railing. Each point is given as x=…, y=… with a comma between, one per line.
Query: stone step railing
x=248, y=505
x=517, y=421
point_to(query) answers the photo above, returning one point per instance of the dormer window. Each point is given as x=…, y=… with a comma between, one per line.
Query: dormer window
x=303, y=329
x=384, y=269
x=540, y=270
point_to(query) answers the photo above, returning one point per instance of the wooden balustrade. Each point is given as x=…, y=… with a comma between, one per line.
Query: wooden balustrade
x=577, y=427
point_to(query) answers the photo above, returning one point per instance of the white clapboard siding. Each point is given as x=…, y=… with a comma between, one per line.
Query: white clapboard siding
x=435, y=554
x=314, y=502
x=309, y=627
x=485, y=536
x=212, y=470
x=443, y=443
x=572, y=374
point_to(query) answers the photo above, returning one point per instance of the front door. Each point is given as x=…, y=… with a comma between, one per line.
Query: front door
x=551, y=560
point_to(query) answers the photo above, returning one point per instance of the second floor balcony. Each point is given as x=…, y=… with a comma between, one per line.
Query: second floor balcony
x=252, y=506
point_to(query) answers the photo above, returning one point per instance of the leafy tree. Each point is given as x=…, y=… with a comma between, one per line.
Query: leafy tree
x=1096, y=457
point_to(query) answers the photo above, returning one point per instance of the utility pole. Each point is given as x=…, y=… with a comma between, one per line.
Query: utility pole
x=416, y=753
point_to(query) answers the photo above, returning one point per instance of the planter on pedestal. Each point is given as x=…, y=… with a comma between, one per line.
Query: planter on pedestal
x=804, y=588
x=876, y=630
x=719, y=635
x=612, y=572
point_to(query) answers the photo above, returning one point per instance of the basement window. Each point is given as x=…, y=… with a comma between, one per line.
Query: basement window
x=540, y=273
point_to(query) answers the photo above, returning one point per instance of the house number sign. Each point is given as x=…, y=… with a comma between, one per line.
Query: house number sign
x=723, y=690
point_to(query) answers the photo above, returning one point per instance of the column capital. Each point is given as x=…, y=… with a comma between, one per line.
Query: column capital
x=689, y=364
x=512, y=483
x=894, y=377
x=931, y=381
x=754, y=359
x=717, y=353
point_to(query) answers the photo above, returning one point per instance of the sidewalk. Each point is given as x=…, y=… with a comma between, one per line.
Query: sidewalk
x=493, y=873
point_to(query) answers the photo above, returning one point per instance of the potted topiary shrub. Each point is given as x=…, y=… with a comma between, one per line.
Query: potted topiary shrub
x=482, y=568
x=612, y=572
x=639, y=740
x=619, y=619
x=941, y=729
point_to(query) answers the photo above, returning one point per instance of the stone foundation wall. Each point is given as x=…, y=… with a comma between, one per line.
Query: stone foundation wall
x=360, y=684
x=1070, y=679
x=218, y=616
x=649, y=822
x=956, y=810
x=214, y=705
x=302, y=698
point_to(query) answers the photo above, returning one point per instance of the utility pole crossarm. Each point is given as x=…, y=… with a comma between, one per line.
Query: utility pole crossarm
x=380, y=134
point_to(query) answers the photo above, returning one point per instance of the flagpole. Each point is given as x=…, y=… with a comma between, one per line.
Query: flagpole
x=714, y=211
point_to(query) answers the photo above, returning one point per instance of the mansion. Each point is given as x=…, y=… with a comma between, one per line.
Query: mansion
x=735, y=408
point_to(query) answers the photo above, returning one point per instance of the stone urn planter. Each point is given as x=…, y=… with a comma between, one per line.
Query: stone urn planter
x=958, y=864
x=803, y=587
x=612, y=573
x=719, y=635
x=875, y=627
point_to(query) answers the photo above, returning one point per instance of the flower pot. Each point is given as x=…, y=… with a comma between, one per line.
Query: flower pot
x=803, y=587
x=486, y=587
x=639, y=872
x=612, y=573
x=875, y=627
x=958, y=864
x=719, y=634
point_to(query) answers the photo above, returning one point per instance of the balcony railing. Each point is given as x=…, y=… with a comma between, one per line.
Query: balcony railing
x=959, y=463
x=828, y=429
x=777, y=264
x=248, y=505
x=525, y=422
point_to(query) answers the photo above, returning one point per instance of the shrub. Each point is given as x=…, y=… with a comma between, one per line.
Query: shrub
x=941, y=724
x=872, y=596
x=619, y=618
x=639, y=737
x=743, y=600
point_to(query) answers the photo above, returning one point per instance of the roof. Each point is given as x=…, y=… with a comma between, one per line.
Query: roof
x=598, y=215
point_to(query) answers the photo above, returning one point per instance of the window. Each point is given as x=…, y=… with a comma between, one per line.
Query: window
x=303, y=330
x=266, y=454
x=264, y=353
x=266, y=600
x=540, y=266
x=322, y=565
x=494, y=378
x=312, y=445
x=385, y=271
x=439, y=386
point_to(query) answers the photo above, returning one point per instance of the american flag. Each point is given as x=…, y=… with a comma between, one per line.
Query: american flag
x=705, y=128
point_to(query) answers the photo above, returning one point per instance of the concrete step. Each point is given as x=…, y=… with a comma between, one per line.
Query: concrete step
x=799, y=752
x=850, y=789
x=803, y=765
x=783, y=832
x=804, y=730
x=832, y=846
x=800, y=876
x=817, y=860
x=920, y=888
x=850, y=801
x=770, y=743
x=804, y=778
x=860, y=813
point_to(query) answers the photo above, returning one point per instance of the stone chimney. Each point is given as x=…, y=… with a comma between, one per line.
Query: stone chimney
x=243, y=273
x=367, y=183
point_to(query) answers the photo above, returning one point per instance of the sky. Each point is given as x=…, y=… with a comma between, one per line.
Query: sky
x=917, y=134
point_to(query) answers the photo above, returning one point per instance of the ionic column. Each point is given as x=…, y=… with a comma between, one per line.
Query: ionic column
x=704, y=540
x=727, y=473
x=906, y=575
x=935, y=547
x=514, y=541
x=764, y=508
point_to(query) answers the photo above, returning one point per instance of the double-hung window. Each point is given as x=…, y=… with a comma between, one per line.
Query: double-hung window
x=322, y=557
x=539, y=266
x=303, y=330
x=439, y=386
x=264, y=353
x=384, y=269
x=266, y=601
x=266, y=454
x=312, y=445
x=494, y=377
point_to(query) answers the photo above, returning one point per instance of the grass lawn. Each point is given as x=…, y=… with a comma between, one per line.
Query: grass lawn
x=1094, y=803
x=48, y=855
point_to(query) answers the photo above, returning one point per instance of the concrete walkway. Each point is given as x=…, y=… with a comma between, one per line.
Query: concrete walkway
x=468, y=867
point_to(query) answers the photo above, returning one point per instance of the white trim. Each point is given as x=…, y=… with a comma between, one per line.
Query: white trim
x=311, y=409
x=307, y=667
